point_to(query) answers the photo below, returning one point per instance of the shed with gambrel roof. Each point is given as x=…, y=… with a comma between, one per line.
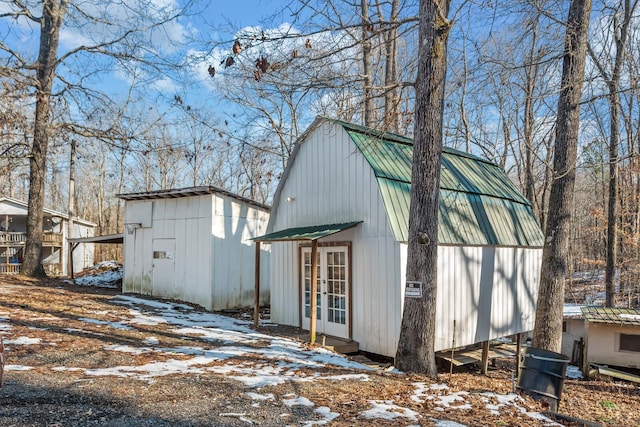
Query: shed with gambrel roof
x=346, y=193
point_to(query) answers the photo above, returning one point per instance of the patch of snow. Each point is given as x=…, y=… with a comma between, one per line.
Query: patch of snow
x=634, y=317
x=446, y=423
x=115, y=325
x=17, y=368
x=151, y=341
x=128, y=349
x=23, y=341
x=574, y=373
x=572, y=311
x=298, y=401
x=448, y=399
x=386, y=410
x=327, y=417
x=258, y=396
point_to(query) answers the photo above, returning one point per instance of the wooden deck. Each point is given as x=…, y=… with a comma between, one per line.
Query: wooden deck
x=474, y=355
x=339, y=345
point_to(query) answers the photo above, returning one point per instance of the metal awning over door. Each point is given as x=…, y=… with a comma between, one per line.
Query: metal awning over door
x=312, y=232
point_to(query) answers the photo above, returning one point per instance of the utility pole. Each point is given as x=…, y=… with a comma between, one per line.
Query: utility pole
x=72, y=203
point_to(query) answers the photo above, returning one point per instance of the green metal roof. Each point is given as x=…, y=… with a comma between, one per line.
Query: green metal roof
x=479, y=205
x=617, y=315
x=312, y=232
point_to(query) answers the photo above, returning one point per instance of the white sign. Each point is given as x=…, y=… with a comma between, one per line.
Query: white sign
x=413, y=290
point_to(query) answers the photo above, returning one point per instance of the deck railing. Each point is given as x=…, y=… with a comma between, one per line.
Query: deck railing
x=15, y=268
x=10, y=268
x=9, y=237
x=20, y=238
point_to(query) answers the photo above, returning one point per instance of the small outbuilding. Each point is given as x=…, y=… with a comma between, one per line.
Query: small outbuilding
x=55, y=239
x=612, y=337
x=345, y=194
x=194, y=244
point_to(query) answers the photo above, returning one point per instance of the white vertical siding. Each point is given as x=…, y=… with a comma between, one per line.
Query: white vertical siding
x=234, y=223
x=575, y=329
x=489, y=292
x=214, y=258
x=331, y=182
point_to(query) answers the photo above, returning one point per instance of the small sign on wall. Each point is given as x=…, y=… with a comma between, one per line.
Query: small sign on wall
x=413, y=290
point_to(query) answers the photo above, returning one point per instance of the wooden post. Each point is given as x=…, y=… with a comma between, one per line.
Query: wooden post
x=256, y=289
x=518, y=339
x=485, y=358
x=314, y=291
x=8, y=248
x=71, y=248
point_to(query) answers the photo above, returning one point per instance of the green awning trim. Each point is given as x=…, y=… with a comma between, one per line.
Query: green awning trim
x=312, y=232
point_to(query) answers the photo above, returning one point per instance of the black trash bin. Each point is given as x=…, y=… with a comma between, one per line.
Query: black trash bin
x=542, y=375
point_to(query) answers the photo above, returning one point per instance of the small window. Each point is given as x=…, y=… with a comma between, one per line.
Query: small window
x=564, y=326
x=159, y=255
x=630, y=342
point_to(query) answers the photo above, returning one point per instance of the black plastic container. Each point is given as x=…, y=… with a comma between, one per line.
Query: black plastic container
x=542, y=375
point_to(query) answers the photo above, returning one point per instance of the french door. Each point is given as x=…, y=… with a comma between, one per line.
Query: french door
x=332, y=297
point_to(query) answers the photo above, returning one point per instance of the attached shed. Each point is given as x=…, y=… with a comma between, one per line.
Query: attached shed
x=573, y=332
x=346, y=192
x=55, y=239
x=612, y=337
x=193, y=244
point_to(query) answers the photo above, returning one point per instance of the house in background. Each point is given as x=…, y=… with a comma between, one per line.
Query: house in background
x=347, y=188
x=55, y=246
x=193, y=244
x=602, y=336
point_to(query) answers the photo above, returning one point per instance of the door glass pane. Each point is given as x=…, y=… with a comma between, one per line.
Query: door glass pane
x=336, y=288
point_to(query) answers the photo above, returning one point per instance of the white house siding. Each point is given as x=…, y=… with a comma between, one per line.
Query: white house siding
x=83, y=253
x=573, y=331
x=603, y=343
x=209, y=239
x=187, y=221
x=343, y=189
x=233, y=253
x=481, y=288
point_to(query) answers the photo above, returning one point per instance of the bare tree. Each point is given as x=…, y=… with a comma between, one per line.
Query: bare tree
x=621, y=17
x=120, y=33
x=417, y=333
x=548, y=325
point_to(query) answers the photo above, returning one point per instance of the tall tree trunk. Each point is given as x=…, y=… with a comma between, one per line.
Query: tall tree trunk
x=391, y=96
x=417, y=334
x=367, y=77
x=52, y=15
x=620, y=31
x=548, y=326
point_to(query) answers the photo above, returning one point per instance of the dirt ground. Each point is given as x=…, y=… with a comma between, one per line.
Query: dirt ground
x=47, y=395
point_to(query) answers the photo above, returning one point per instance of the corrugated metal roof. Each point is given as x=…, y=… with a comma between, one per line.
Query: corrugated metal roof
x=188, y=192
x=479, y=205
x=620, y=316
x=312, y=232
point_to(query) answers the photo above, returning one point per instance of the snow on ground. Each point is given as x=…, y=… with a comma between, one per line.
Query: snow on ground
x=254, y=359
x=107, y=274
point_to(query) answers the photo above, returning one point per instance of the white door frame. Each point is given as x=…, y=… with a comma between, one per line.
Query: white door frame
x=334, y=309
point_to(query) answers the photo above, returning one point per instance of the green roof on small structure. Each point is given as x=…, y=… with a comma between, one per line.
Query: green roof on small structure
x=479, y=205
x=616, y=315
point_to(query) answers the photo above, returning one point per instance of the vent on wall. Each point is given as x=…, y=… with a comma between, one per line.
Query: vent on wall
x=131, y=228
